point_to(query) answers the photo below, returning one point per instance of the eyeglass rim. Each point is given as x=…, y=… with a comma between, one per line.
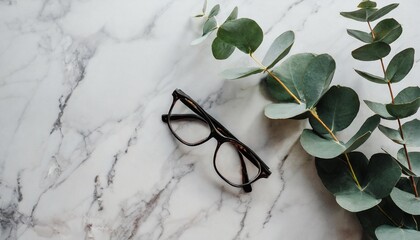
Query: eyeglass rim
x=175, y=99
x=249, y=181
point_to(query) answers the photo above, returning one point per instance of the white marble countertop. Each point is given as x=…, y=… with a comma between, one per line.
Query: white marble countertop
x=84, y=153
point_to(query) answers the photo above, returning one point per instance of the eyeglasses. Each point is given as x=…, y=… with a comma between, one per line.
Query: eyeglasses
x=233, y=161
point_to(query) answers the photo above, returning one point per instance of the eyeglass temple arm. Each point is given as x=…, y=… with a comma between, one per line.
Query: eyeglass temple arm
x=245, y=177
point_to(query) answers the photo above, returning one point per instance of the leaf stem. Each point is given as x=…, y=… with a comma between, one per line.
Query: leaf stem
x=353, y=174
x=413, y=183
x=315, y=115
x=276, y=78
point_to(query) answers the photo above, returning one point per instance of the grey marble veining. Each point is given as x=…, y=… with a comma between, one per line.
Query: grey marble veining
x=84, y=154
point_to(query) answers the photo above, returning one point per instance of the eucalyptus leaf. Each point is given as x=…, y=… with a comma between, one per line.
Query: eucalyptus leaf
x=204, y=6
x=203, y=11
x=220, y=49
x=291, y=73
x=406, y=103
x=279, y=49
x=337, y=108
x=371, y=77
x=209, y=26
x=379, y=109
x=356, y=201
x=363, y=133
x=392, y=134
x=405, y=170
x=360, y=15
x=407, y=95
x=236, y=73
x=284, y=110
x=404, y=110
x=381, y=12
x=367, y=4
x=400, y=65
x=383, y=175
x=214, y=11
x=372, y=51
x=386, y=232
x=414, y=160
x=233, y=15
x=411, y=131
x=243, y=33
x=406, y=201
x=377, y=178
x=360, y=35
x=275, y=91
x=317, y=78
x=320, y=147
x=387, y=30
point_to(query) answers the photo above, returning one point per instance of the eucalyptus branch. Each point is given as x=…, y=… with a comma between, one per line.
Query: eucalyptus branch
x=313, y=113
x=412, y=180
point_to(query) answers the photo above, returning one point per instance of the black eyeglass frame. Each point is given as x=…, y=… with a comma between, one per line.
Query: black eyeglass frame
x=221, y=134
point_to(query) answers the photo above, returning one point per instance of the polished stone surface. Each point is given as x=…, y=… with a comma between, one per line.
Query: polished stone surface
x=83, y=151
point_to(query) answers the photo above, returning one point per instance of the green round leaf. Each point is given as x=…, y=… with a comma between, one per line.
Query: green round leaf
x=279, y=49
x=387, y=31
x=360, y=15
x=284, y=110
x=209, y=26
x=406, y=103
x=367, y=4
x=377, y=178
x=336, y=177
x=411, y=131
x=392, y=134
x=317, y=78
x=290, y=72
x=320, y=147
x=407, y=95
x=220, y=49
x=383, y=175
x=372, y=51
x=214, y=11
x=386, y=232
x=414, y=160
x=236, y=73
x=360, y=35
x=400, y=65
x=357, y=201
x=337, y=108
x=233, y=15
x=381, y=12
x=379, y=109
x=371, y=77
x=406, y=201
x=363, y=134
x=243, y=33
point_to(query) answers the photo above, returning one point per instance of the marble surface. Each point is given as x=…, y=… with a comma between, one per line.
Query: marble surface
x=83, y=151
